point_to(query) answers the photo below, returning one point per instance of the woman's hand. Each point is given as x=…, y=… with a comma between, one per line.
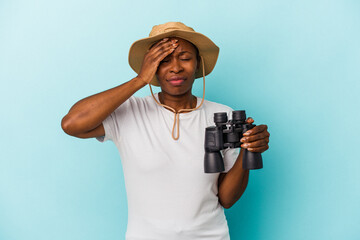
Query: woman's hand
x=256, y=139
x=154, y=56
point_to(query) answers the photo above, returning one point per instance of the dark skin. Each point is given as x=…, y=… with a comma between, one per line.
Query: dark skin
x=183, y=61
x=166, y=58
x=232, y=184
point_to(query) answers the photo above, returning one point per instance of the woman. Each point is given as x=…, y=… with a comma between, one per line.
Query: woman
x=169, y=195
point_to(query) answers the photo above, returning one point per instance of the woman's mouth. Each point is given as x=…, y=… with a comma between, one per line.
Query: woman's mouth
x=176, y=81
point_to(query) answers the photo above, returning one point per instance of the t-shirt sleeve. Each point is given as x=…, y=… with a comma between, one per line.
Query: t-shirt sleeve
x=229, y=156
x=113, y=122
x=110, y=127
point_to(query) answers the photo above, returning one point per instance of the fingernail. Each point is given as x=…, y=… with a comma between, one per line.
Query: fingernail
x=247, y=133
x=245, y=145
x=243, y=140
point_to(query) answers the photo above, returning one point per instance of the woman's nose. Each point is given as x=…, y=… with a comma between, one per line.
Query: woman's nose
x=176, y=66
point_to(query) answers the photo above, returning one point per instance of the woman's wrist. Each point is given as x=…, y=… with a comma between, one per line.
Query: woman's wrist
x=138, y=82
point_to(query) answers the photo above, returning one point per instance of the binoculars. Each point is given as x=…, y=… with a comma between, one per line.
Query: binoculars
x=227, y=134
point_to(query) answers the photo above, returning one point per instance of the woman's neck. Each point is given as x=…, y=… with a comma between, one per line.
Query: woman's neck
x=186, y=101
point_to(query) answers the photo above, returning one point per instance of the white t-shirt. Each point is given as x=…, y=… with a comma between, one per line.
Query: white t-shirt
x=169, y=195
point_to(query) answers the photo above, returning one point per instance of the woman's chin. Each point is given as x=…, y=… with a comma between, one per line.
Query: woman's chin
x=176, y=91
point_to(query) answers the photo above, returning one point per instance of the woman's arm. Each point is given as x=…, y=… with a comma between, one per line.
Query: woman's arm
x=233, y=183
x=86, y=116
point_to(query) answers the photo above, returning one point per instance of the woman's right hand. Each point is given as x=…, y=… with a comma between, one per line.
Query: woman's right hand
x=154, y=56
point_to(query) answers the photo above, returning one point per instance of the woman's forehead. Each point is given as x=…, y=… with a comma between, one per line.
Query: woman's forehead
x=184, y=44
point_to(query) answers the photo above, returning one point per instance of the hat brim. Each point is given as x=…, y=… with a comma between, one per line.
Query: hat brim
x=207, y=49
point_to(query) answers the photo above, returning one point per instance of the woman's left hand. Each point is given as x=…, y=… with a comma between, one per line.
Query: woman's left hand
x=256, y=139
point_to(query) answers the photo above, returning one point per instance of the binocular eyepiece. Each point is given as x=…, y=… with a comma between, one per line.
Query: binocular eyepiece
x=227, y=134
x=238, y=116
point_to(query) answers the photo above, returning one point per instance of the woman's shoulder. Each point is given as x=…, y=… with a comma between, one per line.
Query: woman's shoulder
x=216, y=107
x=140, y=100
x=209, y=106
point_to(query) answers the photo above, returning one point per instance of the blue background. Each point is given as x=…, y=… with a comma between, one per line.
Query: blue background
x=293, y=65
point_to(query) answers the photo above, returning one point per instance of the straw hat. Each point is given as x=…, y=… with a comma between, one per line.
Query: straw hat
x=207, y=49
